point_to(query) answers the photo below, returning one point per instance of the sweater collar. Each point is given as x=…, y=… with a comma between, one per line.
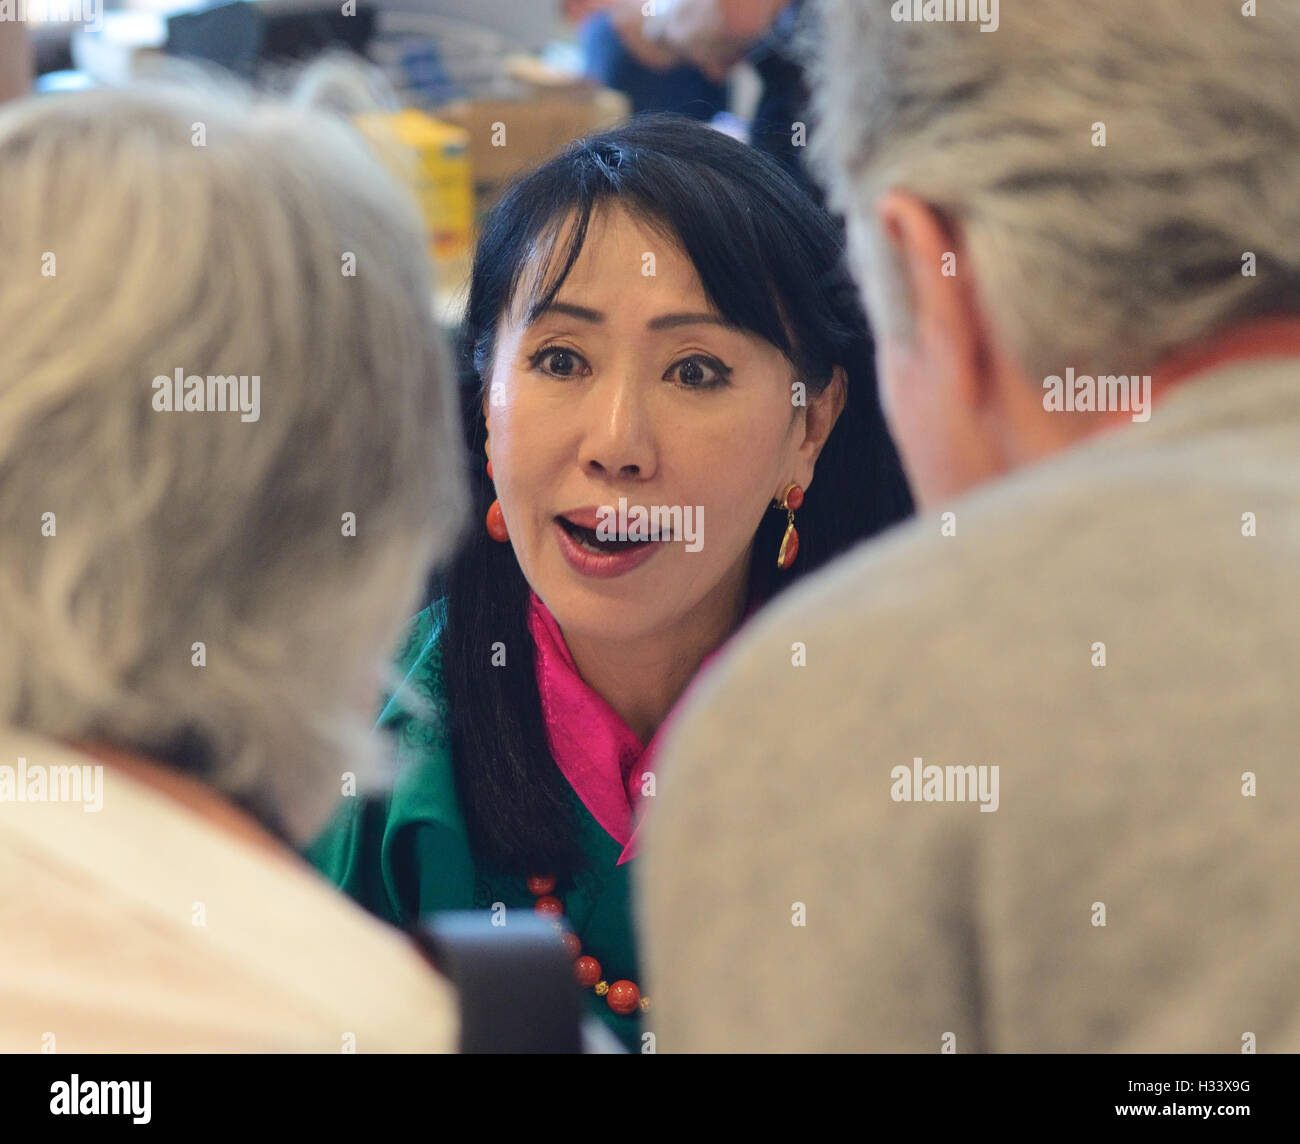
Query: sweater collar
x=1264, y=337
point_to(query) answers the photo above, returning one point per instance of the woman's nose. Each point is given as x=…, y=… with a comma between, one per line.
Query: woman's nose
x=619, y=440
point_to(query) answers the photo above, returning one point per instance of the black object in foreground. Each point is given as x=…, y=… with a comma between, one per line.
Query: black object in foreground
x=515, y=981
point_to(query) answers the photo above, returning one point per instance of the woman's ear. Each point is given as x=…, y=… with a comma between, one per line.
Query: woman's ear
x=823, y=411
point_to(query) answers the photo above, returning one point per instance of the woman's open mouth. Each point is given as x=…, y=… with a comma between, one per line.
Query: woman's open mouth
x=589, y=538
x=591, y=555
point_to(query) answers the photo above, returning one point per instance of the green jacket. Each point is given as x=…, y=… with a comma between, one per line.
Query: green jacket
x=406, y=853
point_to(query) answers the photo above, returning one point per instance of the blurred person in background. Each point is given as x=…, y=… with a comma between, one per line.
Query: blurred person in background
x=200, y=583
x=1034, y=789
x=677, y=57
x=659, y=318
x=653, y=79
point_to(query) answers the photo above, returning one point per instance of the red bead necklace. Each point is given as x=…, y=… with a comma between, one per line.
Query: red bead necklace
x=621, y=996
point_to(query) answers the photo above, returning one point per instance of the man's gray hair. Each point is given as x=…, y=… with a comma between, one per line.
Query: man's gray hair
x=144, y=233
x=1102, y=257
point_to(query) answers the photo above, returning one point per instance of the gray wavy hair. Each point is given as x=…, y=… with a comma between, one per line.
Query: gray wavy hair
x=150, y=231
x=1080, y=251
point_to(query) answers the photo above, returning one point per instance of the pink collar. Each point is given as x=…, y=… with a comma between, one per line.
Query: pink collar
x=596, y=751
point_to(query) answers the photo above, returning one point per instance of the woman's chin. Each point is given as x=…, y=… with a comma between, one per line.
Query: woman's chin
x=608, y=609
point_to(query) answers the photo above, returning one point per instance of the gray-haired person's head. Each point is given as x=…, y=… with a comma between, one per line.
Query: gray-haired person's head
x=1110, y=163
x=197, y=566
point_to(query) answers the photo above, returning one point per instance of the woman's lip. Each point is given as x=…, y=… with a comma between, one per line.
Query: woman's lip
x=600, y=565
x=582, y=517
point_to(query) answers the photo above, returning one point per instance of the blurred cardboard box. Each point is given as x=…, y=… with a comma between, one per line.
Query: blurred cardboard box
x=510, y=136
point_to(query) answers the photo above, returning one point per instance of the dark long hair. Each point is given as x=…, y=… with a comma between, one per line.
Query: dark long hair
x=771, y=262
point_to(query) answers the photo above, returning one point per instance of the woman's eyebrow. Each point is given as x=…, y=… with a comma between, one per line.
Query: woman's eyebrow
x=669, y=321
x=662, y=322
x=587, y=315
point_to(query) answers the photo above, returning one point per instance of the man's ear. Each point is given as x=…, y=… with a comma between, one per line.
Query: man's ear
x=946, y=326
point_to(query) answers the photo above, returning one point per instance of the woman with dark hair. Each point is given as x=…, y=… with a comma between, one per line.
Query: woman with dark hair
x=663, y=343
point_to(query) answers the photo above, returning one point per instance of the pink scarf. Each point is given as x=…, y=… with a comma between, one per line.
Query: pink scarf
x=595, y=750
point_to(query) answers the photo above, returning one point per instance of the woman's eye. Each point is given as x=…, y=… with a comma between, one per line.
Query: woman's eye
x=699, y=373
x=558, y=362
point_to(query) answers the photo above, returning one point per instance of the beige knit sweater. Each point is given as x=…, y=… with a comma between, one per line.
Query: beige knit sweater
x=792, y=899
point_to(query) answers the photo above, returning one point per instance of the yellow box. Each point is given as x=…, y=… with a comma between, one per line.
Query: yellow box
x=439, y=175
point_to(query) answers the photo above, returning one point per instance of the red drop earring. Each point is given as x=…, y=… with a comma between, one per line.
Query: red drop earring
x=496, y=521
x=790, y=500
